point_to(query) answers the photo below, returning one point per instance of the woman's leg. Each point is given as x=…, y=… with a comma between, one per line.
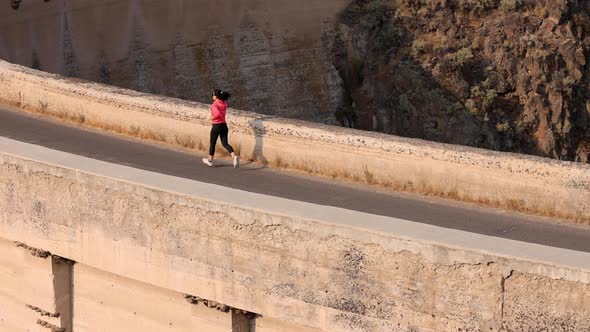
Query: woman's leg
x=215, y=131
x=224, y=133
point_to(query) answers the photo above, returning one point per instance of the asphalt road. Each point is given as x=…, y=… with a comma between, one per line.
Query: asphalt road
x=253, y=178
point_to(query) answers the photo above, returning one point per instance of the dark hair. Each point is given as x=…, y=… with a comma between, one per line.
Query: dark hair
x=223, y=95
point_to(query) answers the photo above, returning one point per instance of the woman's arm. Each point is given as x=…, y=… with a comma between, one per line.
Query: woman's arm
x=212, y=111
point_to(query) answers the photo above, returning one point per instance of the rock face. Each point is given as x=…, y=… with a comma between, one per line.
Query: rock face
x=507, y=75
x=268, y=53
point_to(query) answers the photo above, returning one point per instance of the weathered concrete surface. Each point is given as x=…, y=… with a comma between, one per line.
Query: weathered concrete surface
x=519, y=182
x=534, y=303
x=107, y=302
x=31, y=290
x=270, y=53
x=297, y=263
x=135, y=306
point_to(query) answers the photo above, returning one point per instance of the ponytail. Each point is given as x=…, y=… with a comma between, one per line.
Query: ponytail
x=223, y=95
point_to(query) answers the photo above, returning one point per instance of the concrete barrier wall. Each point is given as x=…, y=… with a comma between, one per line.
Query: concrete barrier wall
x=506, y=180
x=291, y=263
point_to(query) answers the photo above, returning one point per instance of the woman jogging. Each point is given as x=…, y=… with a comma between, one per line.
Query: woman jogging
x=219, y=129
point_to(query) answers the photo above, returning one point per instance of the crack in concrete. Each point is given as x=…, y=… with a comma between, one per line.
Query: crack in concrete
x=503, y=294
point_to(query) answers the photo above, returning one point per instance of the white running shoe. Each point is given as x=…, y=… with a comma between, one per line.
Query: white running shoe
x=207, y=162
x=236, y=162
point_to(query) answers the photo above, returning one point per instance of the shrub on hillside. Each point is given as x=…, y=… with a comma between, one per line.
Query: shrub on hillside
x=510, y=5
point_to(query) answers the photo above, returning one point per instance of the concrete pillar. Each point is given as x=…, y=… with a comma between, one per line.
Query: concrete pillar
x=62, y=284
x=240, y=322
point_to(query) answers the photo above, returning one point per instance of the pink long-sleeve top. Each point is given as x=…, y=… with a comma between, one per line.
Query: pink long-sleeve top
x=218, y=110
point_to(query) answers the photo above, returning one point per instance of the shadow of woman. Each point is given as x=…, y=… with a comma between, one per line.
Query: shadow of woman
x=259, y=130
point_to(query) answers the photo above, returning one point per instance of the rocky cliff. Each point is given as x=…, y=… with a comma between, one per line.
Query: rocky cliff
x=507, y=75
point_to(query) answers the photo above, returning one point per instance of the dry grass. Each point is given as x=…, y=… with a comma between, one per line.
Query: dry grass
x=278, y=162
x=81, y=119
x=185, y=141
x=516, y=205
x=363, y=176
x=219, y=149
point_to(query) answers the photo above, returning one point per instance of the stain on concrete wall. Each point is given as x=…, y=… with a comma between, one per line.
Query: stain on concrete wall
x=142, y=61
x=186, y=82
x=70, y=61
x=104, y=69
x=35, y=62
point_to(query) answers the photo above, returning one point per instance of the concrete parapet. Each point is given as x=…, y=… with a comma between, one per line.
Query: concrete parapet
x=316, y=267
x=518, y=182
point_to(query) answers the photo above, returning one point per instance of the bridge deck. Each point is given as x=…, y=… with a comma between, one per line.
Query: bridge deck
x=256, y=179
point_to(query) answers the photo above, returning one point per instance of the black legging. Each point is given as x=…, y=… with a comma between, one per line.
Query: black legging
x=216, y=131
